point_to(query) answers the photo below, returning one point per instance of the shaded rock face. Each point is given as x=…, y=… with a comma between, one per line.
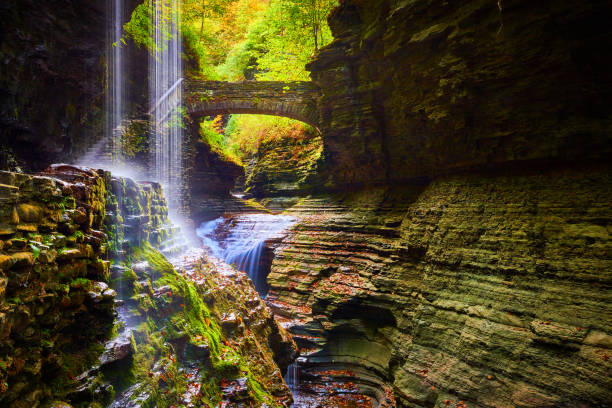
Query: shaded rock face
x=51, y=79
x=492, y=290
x=285, y=167
x=209, y=178
x=418, y=88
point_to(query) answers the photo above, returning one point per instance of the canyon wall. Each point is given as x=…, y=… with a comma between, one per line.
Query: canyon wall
x=53, y=80
x=55, y=302
x=490, y=289
x=472, y=266
x=422, y=88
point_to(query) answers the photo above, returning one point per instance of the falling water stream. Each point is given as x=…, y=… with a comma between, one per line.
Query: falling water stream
x=165, y=87
x=115, y=98
x=241, y=241
x=106, y=152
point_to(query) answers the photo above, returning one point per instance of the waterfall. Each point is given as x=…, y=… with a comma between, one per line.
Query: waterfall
x=165, y=76
x=116, y=80
x=292, y=378
x=241, y=241
x=106, y=152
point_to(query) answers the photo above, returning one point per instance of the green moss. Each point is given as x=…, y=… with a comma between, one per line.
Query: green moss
x=129, y=277
x=181, y=315
x=81, y=283
x=156, y=259
x=78, y=236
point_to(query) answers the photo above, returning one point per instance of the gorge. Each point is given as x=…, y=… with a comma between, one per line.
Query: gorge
x=433, y=232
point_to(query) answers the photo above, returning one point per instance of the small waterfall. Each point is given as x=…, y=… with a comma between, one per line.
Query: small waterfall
x=292, y=378
x=241, y=241
x=165, y=76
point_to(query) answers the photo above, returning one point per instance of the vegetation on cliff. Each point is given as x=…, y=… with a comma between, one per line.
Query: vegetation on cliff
x=236, y=40
x=194, y=344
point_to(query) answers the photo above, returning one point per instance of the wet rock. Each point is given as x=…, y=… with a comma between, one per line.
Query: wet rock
x=116, y=350
x=22, y=259
x=236, y=390
x=230, y=321
x=18, y=243
x=109, y=294
x=94, y=297
x=6, y=261
x=47, y=256
x=162, y=291
x=29, y=213
x=79, y=216
x=7, y=230
x=142, y=269
x=66, y=255
x=117, y=270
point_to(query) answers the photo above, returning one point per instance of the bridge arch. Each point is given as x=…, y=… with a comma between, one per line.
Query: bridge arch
x=295, y=100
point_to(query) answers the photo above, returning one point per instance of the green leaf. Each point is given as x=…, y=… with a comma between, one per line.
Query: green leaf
x=35, y=251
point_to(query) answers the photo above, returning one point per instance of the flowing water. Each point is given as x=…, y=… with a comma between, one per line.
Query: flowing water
x=241, y=241
x=106, y=153
x=165, y=87
x=116, y=96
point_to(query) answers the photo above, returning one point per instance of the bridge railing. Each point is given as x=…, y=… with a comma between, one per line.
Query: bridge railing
x=167, y=102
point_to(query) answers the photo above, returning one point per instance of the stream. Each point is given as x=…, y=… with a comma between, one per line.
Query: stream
x=243, y=241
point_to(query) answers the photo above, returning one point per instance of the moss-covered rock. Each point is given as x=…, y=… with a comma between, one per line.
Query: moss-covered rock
x=486, y=289
x=55, y=305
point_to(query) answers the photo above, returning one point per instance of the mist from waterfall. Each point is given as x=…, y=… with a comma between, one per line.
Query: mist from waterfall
x=106, y=152
x=241, y=241
x=166, y=76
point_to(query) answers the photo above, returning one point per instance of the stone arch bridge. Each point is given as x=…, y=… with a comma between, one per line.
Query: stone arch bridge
x=296, y=100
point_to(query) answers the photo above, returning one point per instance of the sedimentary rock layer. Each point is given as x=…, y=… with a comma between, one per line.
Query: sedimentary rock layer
x=198, y=337
x=493, y=290
x=55, y=302
x=422, y=88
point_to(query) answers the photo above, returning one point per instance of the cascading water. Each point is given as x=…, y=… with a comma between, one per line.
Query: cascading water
x=106, y=152
x=165, y=73
x=241, y=241
x=116, y=81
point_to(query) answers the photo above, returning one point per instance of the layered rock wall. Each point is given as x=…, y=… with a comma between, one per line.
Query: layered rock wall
x=489, y=289
x=478, y=272
x=55, y=302
x=285, y=167
x=421, y=88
